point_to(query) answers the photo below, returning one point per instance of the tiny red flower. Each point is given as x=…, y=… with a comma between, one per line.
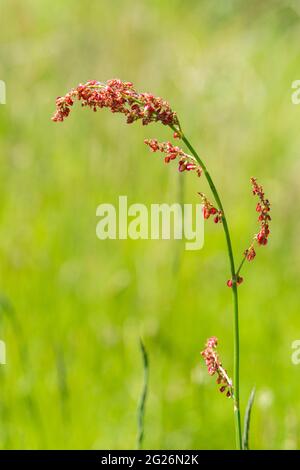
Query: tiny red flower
x=250, y=253
x=239, y=281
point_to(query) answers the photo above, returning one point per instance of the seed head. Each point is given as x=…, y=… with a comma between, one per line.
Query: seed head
x=214, y=366
x=263, y=208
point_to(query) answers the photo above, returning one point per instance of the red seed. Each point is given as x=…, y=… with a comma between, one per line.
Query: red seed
x=206, y=213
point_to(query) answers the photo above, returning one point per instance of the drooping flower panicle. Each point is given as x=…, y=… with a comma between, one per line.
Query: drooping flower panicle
x=119, y=97
x=214, y=366
x=186, y=162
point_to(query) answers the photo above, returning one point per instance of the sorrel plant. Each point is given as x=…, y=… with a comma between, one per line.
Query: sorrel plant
x=121, y=97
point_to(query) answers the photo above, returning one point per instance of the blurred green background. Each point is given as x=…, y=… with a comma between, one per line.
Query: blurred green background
x=72, y=306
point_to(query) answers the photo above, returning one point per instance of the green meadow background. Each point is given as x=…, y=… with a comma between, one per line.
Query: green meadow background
x=73, y=307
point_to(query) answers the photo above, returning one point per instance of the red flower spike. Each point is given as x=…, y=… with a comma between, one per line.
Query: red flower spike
x=263, y=207
x=186, y=162
x=214, y=366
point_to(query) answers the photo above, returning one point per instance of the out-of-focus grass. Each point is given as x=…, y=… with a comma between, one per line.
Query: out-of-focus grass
x=74, y=306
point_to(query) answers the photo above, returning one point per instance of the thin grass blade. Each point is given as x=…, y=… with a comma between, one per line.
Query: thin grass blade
x=247, y=420
x=142, y=404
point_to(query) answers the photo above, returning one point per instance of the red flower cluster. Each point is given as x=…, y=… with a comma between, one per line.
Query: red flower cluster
x=119, y=97
x=186, y=162
x=209, y=209
x=263, y=207
x=214, y=366
x=250, y=253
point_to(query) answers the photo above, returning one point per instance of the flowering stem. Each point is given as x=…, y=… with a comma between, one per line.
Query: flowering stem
x=237, y=417
x=121, y=97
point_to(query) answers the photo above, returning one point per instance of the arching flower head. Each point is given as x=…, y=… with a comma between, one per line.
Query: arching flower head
x=119, y=97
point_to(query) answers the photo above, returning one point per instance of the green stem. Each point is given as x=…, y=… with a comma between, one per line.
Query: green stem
x=238, y=430
x=241, y=265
